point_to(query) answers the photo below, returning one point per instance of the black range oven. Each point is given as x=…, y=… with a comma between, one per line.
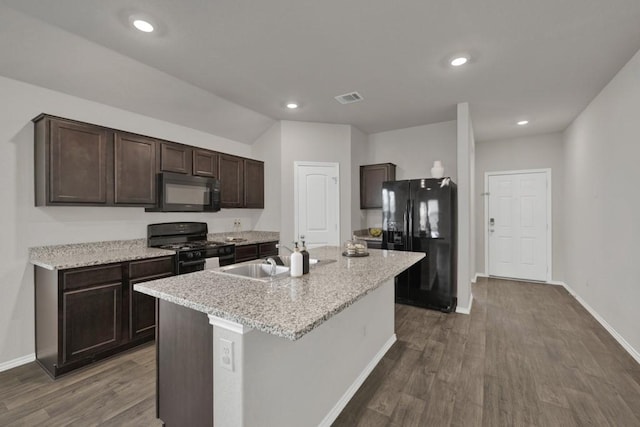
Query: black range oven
x=189, y=240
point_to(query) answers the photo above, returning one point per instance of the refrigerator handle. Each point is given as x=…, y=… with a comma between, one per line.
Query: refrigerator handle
x=409, y=231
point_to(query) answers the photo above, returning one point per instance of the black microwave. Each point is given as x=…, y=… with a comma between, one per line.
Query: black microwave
x=186, y=193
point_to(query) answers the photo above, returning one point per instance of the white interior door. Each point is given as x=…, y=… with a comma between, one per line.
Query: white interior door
x=518, y=225
x=317, y=204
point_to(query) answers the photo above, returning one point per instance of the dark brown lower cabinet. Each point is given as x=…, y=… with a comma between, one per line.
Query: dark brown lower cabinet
x=90, y=313
x=142, y=313
x=267, y=249
x=255, y=251
x=246, y=253
x=92, y=319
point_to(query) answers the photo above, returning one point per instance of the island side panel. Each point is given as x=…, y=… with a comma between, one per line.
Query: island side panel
x=184, y=369
x=309, y=381
x=46, y=319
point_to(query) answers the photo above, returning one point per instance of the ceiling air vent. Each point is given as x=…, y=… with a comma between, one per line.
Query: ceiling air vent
x=348, y=98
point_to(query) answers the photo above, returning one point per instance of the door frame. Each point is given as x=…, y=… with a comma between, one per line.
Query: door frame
x=296, y=184
x=547, y=172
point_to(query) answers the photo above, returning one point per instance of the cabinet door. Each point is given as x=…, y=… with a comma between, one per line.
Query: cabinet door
x=246, y=252
x=231, y=181
x=175, y=158
x=142, y=312
x=91, y=320
x=253, y=184
x=77, y=163
x=135, y=170
x=371, y=179
x=205, y=163
x=267, y=249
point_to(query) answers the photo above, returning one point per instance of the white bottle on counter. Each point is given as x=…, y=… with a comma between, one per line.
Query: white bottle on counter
x=296, y=262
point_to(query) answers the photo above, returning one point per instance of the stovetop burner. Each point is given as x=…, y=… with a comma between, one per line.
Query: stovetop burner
x=189, y=241
x=185, y=246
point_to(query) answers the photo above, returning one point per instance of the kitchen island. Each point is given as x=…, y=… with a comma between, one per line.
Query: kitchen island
x=285, y=352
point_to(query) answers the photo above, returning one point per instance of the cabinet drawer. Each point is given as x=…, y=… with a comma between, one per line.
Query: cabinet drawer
x=151, y=267
x=267, y=249
x=79, y=278
x=246, y=252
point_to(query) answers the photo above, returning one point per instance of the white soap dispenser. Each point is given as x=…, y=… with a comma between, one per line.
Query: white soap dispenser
x=296, y=262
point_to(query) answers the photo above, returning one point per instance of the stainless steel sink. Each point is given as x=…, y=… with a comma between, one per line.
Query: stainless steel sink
x=261, y=269
x=255, y=270
x=313, y=262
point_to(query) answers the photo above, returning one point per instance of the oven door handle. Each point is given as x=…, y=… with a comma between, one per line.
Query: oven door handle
x=190, y=263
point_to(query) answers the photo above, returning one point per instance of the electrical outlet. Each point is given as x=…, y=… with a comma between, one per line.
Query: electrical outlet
x=226, y=354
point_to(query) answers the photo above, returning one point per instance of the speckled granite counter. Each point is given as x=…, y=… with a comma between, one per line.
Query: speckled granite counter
x=287, y=307
x=59, y=257
x=250, y=237
x=364, y=235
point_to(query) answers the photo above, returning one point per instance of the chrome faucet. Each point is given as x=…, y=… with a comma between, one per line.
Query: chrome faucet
x=273, y=264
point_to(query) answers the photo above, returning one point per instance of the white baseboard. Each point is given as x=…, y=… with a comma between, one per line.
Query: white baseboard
x=477, y=276
x=465, y=310
x=5, y=366
x=559, y=283
x=628, y=347
x=346, y=397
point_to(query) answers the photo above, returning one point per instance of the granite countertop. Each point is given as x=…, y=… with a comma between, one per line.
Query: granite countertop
x=246, y=237
x=59, y=257
x=287, y=307
x=371, y=238
x=364, y=235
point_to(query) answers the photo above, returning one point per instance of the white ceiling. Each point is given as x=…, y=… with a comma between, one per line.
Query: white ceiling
x=541, y=60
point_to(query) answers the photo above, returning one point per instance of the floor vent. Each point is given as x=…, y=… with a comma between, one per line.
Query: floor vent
x=349, y=98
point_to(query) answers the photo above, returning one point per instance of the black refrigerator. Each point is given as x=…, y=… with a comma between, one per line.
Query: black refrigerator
x=420, y=215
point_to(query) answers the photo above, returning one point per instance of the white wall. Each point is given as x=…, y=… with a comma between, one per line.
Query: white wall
x=466, y=219
x=359, y=153
x=602, y=204
x=413, y=150
x=268, y=149
x=317, y=142
x=25, y=225
x=533, y=152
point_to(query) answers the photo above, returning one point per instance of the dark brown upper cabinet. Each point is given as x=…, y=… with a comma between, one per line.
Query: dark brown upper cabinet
x=371, y=179
x=72, y=163
x=82, y=164
x=135, y=170
x=205, y=163
x=231, y=170
x=253, y=184
x=175, y=158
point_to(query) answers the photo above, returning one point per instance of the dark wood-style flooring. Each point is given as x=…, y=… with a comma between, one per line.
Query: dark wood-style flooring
x=528, y=355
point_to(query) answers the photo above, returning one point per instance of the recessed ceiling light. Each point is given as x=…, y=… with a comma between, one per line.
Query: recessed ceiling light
x=523, y=122
x=142, y=25
x=292, y=105
x=459, y=60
